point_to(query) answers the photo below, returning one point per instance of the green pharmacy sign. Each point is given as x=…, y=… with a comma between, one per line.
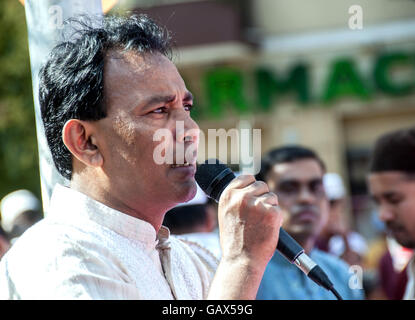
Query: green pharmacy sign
x=226, y=87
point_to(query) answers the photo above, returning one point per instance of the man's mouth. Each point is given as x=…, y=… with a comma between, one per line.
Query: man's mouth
x=186, y=164
x=396, y=230
x=305, y=215
x=184, y=170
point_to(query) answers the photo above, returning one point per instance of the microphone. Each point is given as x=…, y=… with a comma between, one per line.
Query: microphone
x=213, y=177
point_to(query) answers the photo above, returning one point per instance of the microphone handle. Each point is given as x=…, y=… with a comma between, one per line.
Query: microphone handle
x=295, y=254
x=288, y=247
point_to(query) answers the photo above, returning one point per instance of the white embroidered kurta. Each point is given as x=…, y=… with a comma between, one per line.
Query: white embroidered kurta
x=86, y=250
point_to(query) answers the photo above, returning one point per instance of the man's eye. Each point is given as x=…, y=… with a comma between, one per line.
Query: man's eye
x=288, y=188
x=394, y=199
x=188, y=107
x=317, y=187
x=159, y=110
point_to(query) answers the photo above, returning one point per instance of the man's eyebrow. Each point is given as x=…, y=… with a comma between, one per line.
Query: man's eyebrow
x=294, y=180
x=158, y=99
x=164, y=99
x=188, y=96
x=289, y=180
x=385, y=195
x=390, y=194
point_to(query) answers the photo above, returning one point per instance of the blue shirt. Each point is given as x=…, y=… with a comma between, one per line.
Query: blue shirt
x=284, y=281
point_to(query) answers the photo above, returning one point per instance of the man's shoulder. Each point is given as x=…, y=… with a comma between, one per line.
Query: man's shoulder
x=347, y=283
x=50, y=244
x=331, y=263
x=50, y=232
x=329, y=259
x=44, y=234
x=52, y=257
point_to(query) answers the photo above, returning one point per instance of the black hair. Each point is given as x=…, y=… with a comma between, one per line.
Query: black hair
x=183, y=218
x=71, y=84
x=394, y=151
x=286, y=154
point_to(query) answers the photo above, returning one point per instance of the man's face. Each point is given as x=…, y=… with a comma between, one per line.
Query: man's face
x=394, y=193
x=143, y=94
x=300, y=191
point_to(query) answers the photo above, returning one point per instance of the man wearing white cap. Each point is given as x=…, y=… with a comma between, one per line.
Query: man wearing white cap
x=19, y=211
x=336, y=237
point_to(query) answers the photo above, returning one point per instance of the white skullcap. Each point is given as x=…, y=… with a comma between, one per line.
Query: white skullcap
x=14, y=204
x=333, y=185
x=355, y=241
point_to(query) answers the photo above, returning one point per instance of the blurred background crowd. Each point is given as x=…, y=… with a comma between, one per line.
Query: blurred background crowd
x=295, y=69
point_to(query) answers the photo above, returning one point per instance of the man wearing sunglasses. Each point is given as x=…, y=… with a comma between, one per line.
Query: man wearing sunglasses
x=295, y=174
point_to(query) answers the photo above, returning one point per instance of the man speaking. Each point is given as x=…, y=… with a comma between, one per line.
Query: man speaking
x=103, y=97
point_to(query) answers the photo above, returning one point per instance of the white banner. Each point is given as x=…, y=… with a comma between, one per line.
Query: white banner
x=45, y=25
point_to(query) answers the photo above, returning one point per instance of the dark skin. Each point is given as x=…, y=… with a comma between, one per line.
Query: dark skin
x=113, y=157
x=301, y=196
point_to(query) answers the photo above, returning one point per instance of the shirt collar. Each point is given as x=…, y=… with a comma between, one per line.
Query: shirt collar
x=71, y=205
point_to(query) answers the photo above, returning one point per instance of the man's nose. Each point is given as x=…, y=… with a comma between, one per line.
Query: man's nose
x=305, y=195
x=187, y=129
x=385, y=213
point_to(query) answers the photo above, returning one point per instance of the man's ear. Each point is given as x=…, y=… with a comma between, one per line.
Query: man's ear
x=78, y=137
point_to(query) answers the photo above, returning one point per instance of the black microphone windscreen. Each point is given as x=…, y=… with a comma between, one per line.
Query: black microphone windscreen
x=213, y=177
